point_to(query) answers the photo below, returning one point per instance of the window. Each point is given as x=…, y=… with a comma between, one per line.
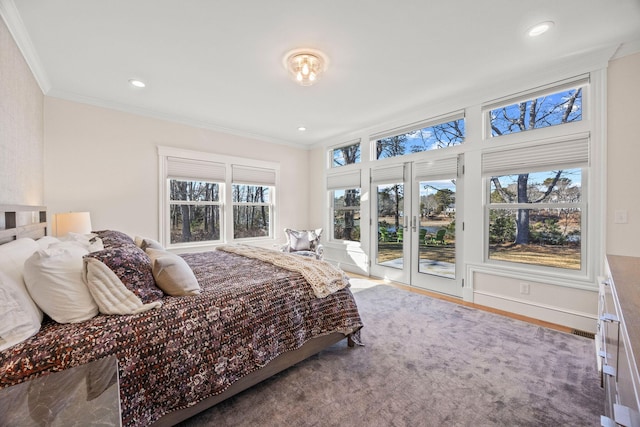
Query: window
x=194, y=211
x=536, y=218
x=536, y=208
x=344, y=193
x=208, y=198
x=346, y=214
x=549, y=106
x=251, y=211
x=551, y=110
x=441, y=134
x=346, y=155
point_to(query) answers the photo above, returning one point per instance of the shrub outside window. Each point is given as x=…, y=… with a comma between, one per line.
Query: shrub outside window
x=251, y=211
x=194, y=211
x=537, y=218
x=346, y=214
x=432, y=137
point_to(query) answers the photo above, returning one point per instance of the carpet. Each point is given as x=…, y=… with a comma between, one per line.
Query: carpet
x=428, y=362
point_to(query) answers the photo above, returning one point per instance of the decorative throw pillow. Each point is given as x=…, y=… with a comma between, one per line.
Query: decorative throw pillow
x=54, y=279
x=303, y=240
x=19, y=318
x=133, y=267
x=145, y=243
x=112, y=238
x=172, y=273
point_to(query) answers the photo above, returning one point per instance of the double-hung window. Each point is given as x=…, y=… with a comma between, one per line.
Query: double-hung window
x=210, y=199
x=537, y=205
x=252, y=191
x=195, y=202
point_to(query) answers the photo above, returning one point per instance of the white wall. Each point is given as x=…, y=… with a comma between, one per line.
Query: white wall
x=21, y=129
x=623, y=156
x=106, y=162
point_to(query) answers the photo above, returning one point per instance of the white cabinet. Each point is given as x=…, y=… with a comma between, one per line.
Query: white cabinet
x=618, y=341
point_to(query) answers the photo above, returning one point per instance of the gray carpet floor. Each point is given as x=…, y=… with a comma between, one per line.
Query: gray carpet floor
x=428, y=362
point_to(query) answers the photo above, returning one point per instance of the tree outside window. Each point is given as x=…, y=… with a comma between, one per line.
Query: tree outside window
x=346, y=214
x=194, y=211
x=434, y=137
x=347, y=155
x=251, y=211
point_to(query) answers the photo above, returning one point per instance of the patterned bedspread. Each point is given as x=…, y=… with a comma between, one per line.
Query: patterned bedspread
x=192, y=347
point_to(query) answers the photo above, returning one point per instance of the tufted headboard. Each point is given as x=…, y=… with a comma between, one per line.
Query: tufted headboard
x=18, y=221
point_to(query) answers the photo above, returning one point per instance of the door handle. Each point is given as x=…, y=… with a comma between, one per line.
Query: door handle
x=414, y=223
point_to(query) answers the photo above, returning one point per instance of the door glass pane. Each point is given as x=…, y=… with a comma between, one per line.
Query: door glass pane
x=437, y=244
x=390, y=222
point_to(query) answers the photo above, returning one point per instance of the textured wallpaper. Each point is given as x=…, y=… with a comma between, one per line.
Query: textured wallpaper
x=21, y=128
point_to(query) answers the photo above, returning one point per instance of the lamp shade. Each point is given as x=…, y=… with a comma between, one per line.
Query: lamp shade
x=72, y=222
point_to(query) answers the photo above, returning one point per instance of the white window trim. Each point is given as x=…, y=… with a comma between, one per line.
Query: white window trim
x=226, y=232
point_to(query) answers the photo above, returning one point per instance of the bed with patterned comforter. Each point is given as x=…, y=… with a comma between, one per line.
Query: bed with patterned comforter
x=192, y=347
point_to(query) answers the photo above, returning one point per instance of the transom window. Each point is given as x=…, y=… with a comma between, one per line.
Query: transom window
x=545, y=107
x=346, y=155
x=430, y=137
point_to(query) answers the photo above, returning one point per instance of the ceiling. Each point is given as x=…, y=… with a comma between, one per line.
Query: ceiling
x=218, y=64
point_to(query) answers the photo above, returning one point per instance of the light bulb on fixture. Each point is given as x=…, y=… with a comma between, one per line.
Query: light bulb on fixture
x=305, y=65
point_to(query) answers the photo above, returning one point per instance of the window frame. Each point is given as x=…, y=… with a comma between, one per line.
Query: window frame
x=575, y=142
x=226, y=202
x=582, y=81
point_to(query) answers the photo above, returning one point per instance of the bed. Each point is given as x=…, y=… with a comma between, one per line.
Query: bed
x=250, y=320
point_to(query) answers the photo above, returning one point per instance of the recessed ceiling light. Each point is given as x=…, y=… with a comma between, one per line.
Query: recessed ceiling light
x=302, y=128
x=137, y=83
x=540, y=29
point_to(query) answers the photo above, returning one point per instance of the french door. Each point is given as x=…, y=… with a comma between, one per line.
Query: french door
x=415, y=209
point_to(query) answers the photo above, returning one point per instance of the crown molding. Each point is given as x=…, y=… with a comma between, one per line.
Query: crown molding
x=14, y=23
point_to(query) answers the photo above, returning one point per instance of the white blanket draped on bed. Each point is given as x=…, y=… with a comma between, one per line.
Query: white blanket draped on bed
x=323, y=277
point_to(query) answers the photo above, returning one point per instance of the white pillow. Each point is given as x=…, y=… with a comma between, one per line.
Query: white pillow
x=91, y=242
x=19, y=318
x=44, y=242
x=12, y=258
x=172, y=273
x=54, y=279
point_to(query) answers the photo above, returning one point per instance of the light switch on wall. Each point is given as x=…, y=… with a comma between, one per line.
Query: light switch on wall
x=620, y=216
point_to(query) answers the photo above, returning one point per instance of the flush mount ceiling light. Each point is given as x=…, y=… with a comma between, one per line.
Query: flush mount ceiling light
x=539, y=29
x=305, y=65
